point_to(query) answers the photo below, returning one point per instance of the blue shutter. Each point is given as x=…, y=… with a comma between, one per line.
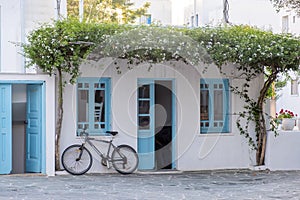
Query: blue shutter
x=5, y=129
x=226, y=103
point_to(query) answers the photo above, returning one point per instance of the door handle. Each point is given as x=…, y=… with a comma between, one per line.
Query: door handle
x=25, y=122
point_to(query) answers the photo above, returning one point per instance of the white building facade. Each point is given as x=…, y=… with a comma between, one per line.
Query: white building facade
x=169, y=100
x=27, y=99
x=289, y=95
x=258, y=13
x=193, y=111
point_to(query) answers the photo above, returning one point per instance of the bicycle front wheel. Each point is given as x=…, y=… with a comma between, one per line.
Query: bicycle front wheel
x=76, y=159
x=125, y=159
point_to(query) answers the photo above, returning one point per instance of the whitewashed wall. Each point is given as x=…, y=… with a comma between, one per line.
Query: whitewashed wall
x=258, y=13
x=282, y=152
x=17, y=19
x=193, y=150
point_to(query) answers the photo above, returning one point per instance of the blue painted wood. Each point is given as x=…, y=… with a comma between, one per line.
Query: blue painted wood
x=21, y=82
x=216, y=126
x=5, y=129
x=43, y=145
x=174, y=127
x=146, y=138
x=149, y=20
x=34, y=128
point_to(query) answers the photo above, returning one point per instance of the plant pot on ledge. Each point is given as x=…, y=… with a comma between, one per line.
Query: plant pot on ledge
x=288, y=124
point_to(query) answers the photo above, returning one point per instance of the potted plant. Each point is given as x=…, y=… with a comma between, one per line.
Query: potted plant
x=287, y=118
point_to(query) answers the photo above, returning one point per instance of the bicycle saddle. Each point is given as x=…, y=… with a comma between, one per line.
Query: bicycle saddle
x=113, y=133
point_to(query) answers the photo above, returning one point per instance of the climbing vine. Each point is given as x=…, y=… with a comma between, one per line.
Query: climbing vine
x=63, y=46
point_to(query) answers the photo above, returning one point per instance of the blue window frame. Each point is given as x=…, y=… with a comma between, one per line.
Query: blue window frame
x=93, y=105
x=214, y=105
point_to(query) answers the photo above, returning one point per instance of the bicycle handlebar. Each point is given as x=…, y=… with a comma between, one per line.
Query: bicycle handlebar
x=84, y=133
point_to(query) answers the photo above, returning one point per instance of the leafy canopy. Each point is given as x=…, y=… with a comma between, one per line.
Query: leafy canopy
x=290, y=4
x=65, y=44
x=107, y=11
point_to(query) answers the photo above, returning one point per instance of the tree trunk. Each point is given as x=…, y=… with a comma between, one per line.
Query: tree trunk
x=260, y=121
x=58, y=120
x=58, y=2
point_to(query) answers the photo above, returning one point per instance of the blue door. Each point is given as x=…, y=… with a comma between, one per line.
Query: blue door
x=34, y=128
x=5, y=129
x=146, y=124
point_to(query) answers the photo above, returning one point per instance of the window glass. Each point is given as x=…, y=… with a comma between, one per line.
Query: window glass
x=218, y=105
x=144, y=107
x=144, y=122
x=204, y=107
x=144, y=91
x=83, y=105
x=99, y=103
x=294, y=87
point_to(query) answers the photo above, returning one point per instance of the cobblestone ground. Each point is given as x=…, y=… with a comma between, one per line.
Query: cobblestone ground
x=207, y=185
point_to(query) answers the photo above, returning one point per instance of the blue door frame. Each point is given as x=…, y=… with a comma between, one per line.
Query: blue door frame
x=42, y=140
x=146, y=148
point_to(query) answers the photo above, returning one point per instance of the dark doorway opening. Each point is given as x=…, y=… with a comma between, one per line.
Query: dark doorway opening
x=163, y=124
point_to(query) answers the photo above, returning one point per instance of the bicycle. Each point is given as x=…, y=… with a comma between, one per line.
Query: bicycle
x=77, y=159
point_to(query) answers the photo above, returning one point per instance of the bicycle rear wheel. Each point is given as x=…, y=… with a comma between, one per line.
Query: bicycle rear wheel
x=125, y=159
x=76, y=159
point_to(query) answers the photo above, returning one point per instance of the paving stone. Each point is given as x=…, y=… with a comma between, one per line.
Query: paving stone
x=216, y=185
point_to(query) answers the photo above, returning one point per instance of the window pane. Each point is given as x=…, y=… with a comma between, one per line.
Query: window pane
x=294, y=87
x=218, y=105
x=144, y=107
x=144, y=91
x=96, y=85
x=204, y=105
x=83, y=105
x=144, y=123
x=99, y=111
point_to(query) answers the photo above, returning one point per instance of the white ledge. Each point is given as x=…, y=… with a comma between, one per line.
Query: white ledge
x=283, y=150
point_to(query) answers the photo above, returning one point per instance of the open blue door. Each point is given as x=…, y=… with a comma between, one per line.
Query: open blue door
x=5, y=129
x=34, y=128
x=146, y=124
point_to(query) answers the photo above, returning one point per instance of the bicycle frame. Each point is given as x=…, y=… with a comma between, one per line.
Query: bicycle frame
x=106, y=157
x=77, y=158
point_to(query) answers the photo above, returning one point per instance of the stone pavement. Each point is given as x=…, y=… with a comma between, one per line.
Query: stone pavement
x=217, y=185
